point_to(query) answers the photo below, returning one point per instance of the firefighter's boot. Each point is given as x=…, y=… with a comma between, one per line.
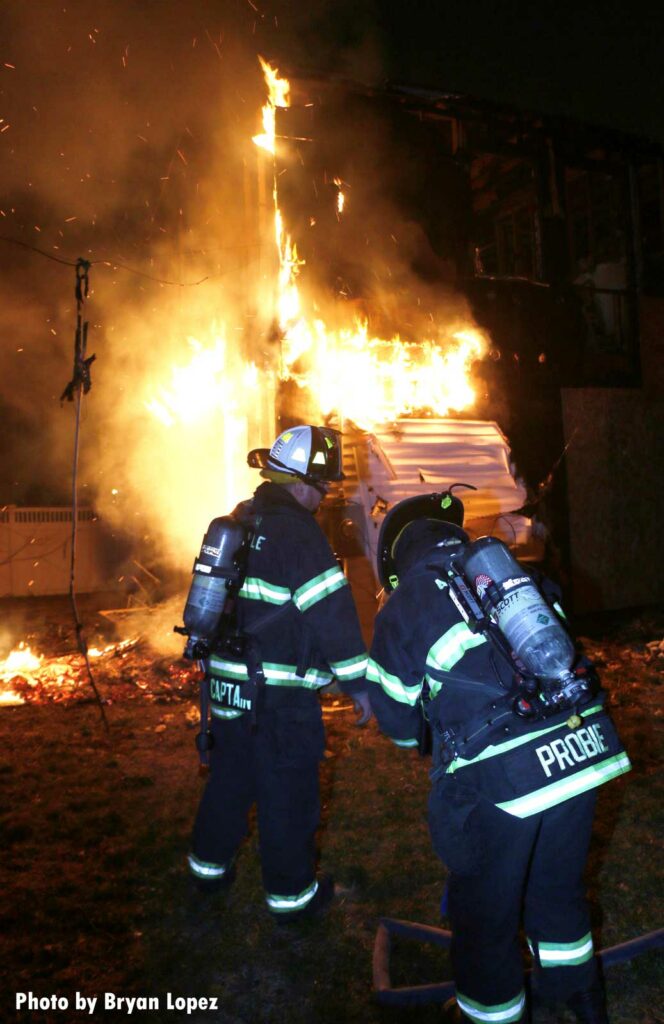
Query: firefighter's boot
x=589, y=1006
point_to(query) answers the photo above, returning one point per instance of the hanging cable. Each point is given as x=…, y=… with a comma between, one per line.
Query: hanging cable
x=79, y=385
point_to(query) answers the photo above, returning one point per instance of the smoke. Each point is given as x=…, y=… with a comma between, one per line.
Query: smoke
x=126, y=140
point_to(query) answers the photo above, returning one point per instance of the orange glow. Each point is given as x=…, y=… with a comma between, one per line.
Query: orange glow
x=359, y=377
x=20, y=660
x=278, y=96
x=370, y=380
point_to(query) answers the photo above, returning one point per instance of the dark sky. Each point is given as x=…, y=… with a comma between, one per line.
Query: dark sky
x=601, y=62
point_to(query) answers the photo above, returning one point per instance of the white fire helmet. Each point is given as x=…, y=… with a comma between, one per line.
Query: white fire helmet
x=308, y=453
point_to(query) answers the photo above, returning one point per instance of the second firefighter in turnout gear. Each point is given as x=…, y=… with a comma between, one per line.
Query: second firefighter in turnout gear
x=513, y=780
x=298, y=621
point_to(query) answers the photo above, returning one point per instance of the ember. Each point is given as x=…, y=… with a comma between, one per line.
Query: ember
x=128, y=668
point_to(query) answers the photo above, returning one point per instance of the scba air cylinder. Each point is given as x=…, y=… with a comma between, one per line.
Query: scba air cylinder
x=508, y=595
x=215, y=569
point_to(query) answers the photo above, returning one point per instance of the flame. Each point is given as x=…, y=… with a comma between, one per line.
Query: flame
x=357, y=376
x=212, y=396
x=341, y=196
x=278, y=96
x=202, y=386
x=21, y=659
x=370, y=380
x=45, y=677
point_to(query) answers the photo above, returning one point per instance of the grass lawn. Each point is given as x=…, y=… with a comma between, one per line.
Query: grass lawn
x=95, y=830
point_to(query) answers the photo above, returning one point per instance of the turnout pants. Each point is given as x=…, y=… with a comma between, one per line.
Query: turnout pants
x=275, y=767
x=503, y=871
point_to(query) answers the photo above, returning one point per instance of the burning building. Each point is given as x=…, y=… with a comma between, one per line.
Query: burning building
x=452, y=284
x=432, y=218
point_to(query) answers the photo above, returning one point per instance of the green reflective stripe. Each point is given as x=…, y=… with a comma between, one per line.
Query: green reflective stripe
x=318, y=588
x=566, y=954
x=452, y=646
x=405, y=743
x=275, y=674
x=255, y=589
x=556, y=792
x=352, y=668
x=392, y=685
x=286, y=675
x=505, y=1013
x=206, y=869
x=224, y=712
x=502, y=748
x=435, y=685
x=286, y=904
x=232, y=669
x=557, y=608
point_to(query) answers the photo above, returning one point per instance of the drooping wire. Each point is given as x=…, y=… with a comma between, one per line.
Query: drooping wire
x=105, y=263
x=79, y=385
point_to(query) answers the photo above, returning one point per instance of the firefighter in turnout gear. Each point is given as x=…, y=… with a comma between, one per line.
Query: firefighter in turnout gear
x=299, y=630
x=513, y=783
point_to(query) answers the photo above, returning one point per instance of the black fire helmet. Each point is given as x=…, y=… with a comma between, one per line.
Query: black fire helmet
x=441, y=508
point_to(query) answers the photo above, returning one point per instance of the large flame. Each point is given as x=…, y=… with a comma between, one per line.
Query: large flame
x=350, y=372
x=370, y=380
x=211, y=395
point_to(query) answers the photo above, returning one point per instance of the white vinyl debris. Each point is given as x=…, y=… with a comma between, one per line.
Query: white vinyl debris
x=418, y=456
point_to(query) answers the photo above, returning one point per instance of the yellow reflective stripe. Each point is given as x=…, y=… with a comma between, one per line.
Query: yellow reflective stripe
x=435, y=685
x=206, y=869
x=351, y=668
x=452, y=646
x=318, y=588
x=392, y=685
x=286, y=904
x=232, y=669
x=502, y=748
x=275, y=674
x=256, y=589
x=566, y=954
x=564, y=789
x=286, y=675
x=218, y=712
x=498, y=1013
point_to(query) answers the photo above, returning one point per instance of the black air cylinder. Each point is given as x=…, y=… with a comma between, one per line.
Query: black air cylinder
x=214, y=570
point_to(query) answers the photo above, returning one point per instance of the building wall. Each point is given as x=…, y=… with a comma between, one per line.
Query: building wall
x=35, y=552
x=615, y=489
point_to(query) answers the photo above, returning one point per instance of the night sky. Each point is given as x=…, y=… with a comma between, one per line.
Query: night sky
x=598, y=62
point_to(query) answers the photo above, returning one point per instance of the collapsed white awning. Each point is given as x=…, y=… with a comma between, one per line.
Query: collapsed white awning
x=418, y=456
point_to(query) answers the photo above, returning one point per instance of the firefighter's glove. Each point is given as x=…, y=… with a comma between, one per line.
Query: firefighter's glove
x=363, y=707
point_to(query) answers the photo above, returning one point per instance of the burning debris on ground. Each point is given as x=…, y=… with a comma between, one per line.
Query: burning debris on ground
x=114, y=814
x=407, y=265
x=122, y=670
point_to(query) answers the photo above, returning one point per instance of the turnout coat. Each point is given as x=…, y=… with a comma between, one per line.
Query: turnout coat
x=425, y=660
x=296, y=603
x=296, y=608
